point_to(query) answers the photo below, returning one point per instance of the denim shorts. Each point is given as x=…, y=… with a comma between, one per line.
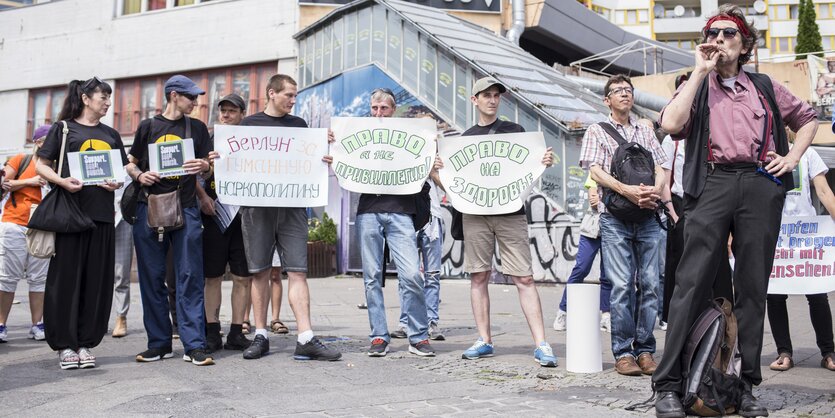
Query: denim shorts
x=266, y=230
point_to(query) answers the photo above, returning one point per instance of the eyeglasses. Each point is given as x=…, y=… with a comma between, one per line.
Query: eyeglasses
x=621, y=90
x=383, y=90
x=712, y=33
x=90, y=84
x=190, y=97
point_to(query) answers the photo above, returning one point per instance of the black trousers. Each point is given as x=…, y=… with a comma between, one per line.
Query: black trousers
x=79, y=288
x=751, y=206
x=819, y=311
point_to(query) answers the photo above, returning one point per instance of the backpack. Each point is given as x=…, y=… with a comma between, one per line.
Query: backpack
x=711, y=363
x=632, y=164
x=422, y=207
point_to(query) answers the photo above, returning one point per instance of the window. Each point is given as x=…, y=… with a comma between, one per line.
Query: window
x=44, y=107
x=463, y=81
x=620, y=17
x=364, y=36
x=827, y=42
x=378, y=34
x=643, y=16
x=783, y=45
x=338, y=35
x=130, y=7
x=631, y=17
x=394, y=54
x=350, y=40
x=824, y=10
x=428, y=66
x=410, y=56
x=779, y=12
x=446, y=88
x=602, y=11
x=793, y=11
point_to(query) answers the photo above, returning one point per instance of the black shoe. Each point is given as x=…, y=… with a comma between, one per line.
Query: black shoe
x=260, y=347
x=237, y=342
x=422, y=348
x=400, y=333
x=199, y=357
x=749, y=407
x=668, y=405
x=214, y=342
x=315, y=350
x=379, y=348
x=154, y=354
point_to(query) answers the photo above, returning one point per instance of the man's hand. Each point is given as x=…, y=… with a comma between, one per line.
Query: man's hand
x=213, y=155
x=707, y=56
x=207, y=205
x=148, y=178
x=594, y=198
x=643, y=196
x=331, y=137
x=110, y=186
x=196, y=166
x=780, y=165
x=439, y=163
x=548, y=158
x=72, y=185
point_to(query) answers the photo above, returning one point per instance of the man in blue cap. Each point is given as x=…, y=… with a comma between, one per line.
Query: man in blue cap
x=186, y=242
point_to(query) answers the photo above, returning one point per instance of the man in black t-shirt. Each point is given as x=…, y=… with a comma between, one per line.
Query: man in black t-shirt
x=151, y=246
x=266, y=229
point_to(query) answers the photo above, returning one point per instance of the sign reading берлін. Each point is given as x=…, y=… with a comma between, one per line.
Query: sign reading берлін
x=383, y=155
x=271, y=166
x=491, y=174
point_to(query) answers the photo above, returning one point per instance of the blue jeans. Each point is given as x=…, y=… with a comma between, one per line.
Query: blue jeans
x=431, y=252
x=399, y=232
x=187, y=245
x=630, y=248
x=586, y=252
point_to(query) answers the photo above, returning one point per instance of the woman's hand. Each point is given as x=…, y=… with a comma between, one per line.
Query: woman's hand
x=110, y=186
x=72, y=185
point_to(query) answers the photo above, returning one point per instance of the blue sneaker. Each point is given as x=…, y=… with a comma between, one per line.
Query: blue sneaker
x=478, y=350
x=544, y=355
x=3, y=334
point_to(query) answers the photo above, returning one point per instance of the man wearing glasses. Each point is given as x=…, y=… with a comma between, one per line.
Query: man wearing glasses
x=737, y=169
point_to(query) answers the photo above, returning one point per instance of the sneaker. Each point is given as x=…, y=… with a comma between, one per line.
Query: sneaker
x=606, y=322
x=86, y=359
x=36, y=332
x=315, y=350
x=3, y=333
x=199, y=357
x=400, y=333
x=478, y=350
x=214, y=342
x=379, y=348
x=662, y=325
x=68, y=359
x=544, y=355
x=422, y=348
x=559, y=322
x=435, y=332
x=154, y=354
x=260, y=347
x=237, y=342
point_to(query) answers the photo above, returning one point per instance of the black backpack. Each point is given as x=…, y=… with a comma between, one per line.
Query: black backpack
x=423, y=205
x=711, y=363
x=632, y=164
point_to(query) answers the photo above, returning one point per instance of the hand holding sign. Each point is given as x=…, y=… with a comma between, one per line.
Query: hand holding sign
x=173, y=158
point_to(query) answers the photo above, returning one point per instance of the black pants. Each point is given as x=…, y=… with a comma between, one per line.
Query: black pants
x=171, y=285
x=79, y=288
x=750, y=205
x=819, y=311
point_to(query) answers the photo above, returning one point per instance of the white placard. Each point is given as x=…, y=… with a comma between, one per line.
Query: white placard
x=383, y=155
x=491, y=174
x=167, y=158
x=271, y=166
x=96, y=167
x=804, y=261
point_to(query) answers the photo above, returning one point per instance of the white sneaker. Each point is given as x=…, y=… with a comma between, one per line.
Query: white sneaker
x=559, y=323
x=662, y=325
x=37, y=332
x=606, y=322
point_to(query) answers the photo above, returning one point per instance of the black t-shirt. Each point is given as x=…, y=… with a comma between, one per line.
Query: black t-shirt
x=171, y=130
x=263, y=119
x=386, y=203
x=504, y=128
x=95, y=201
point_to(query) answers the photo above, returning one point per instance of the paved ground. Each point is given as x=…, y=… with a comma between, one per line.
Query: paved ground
x=31, y=384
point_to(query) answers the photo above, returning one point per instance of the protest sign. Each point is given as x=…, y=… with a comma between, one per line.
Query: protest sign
x=491, y=174
x=271, y=166
x=167, y=158
x=383, y=155
x=96, y=167
x=804, y=261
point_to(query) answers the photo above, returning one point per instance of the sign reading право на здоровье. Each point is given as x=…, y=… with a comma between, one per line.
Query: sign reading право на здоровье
x=271, y=166
x=383, y=155
x=491, y=174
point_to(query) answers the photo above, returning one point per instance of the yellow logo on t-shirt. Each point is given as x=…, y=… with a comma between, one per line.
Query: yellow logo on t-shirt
x=94, y=145
x=167, y=138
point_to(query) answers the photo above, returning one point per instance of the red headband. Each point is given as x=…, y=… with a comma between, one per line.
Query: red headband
x=739, y=24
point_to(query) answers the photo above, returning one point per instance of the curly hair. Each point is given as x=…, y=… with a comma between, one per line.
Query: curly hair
x=748, y=42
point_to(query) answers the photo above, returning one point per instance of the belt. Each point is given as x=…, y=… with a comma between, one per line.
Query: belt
x=734, y=167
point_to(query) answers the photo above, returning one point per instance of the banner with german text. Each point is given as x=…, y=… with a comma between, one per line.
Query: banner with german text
x=804, y=261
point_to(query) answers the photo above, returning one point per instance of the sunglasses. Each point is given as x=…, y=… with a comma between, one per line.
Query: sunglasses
x=621, y=90
x=712, y=33
x=190, y=97
x=91, y=84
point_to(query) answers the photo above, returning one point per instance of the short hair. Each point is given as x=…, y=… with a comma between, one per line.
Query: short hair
x=278, y=81
x=615, y=79
x=749, y=42
x=383, y=94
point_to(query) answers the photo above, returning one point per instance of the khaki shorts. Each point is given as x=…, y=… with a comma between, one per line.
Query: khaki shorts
x=482, y=233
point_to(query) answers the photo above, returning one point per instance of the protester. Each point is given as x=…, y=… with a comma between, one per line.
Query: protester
x=185, y=243
x=266, y=229
x=23, y=185
x=630, y=248
x=79, y=284
x=222, y=248
x=123, y=263
x=735, y=177
x=276, y=291
x=587, y=251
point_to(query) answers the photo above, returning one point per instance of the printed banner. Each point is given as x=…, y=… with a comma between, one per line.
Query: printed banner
x=804, y=261
x=491, y=174
x=822, y=78
x=271, y=166
x=167, y=158
x=383, y=155
x=96, y=167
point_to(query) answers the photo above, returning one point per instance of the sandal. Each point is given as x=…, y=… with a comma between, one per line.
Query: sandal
x=784, y=362
x=245, y=326
x=278, y=327
x=828, y=362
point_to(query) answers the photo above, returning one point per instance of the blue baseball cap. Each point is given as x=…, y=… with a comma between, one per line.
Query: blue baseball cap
x=182, y=84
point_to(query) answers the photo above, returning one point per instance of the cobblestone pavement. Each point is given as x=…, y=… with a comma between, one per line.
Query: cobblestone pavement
x=400, y=384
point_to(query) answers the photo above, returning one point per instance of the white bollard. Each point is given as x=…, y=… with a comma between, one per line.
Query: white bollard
x=582, y=337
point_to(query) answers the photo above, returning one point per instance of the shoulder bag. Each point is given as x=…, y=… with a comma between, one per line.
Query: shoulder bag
x=165, y=211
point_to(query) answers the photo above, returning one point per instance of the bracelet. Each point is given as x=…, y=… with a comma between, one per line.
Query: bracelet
x=140, y=175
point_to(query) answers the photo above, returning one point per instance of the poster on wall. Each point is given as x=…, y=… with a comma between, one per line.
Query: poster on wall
x=804, y=260
x=491, y=174
x=822, y=78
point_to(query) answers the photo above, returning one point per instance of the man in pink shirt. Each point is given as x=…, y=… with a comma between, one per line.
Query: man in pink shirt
x=737, y=170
